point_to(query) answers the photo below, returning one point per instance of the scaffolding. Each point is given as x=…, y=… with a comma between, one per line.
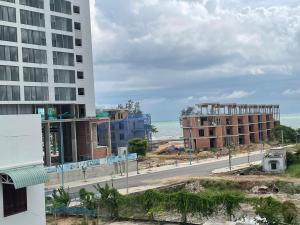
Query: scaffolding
x=122, y=130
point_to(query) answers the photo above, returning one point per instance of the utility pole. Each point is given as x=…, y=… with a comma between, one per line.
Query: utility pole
x=62, y=155
x=127, y=170
x=229, y=157
x=282, y=140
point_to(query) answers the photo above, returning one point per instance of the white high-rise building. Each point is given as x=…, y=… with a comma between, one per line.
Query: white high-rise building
x=46, y=67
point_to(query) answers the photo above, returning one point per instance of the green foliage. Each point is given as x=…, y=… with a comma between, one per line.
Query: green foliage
x=60, y=198
x=289, y=134
x=289, y=212
x=138, y=145
x=109, y=199
x=269, y=209
x=288, y=187
x=219, y=185
x=133, y=107
x=153, y=129
x=87, y=199
x=293, y=170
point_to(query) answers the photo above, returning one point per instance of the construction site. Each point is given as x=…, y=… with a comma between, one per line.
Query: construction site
x=214, y=125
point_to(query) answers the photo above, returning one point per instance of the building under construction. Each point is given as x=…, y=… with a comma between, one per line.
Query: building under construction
x=214, y=125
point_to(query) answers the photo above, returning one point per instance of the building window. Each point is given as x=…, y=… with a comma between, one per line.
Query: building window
x=76, y=9
x=122, y=137
x=31, y=74
x=33, y=37
x=63, y=58
x=121, y=126
x=7, y=14
x=65, y=94
x=8, y=33
x=77, y=26
x=60, y=6
x=31, y=55
x=14, y=200
x=9, y=93
x=64, y=76
x=60, y=23
x=12, y=1
x=80, y=75
x=201, y=132
x=32, y=18
x=79, y=58
x=62, y=41
x=80, y=91
x=33, y=93
x=8, y=53
x=78, y=42
x=33, y=3
x=9, y=73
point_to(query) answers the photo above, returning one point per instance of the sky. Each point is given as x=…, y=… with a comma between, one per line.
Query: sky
x=169, y=54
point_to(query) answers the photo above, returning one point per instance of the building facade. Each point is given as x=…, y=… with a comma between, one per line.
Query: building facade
x=46, y=68
x=22, y=174
x=214, y=125
x=123, y=127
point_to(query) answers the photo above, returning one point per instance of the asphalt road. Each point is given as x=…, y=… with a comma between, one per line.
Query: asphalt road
x=193, y=170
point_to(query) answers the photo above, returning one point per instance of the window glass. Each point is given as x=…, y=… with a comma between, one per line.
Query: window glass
x=9, y=73
x=7, y=14
x=79, y=58
x=76, y=9
x=80, y=75
x=12, y=1
x=9, y=93
x=31, y=74
x=65, y=94
x=64, y=76
x=63, y=58
x=77, y=26
x=78, y=42
x=60, y=23
x=14, y=200
x=8, y=33
x=32, y=18
x=80, y=91
x=33, y=37
x=34, y=55
x=33, y=93
x=8, y=53
x=33, y=3
x=62, y=41
x=61, y=6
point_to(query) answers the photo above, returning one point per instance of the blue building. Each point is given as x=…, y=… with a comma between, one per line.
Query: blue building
x=124, y=127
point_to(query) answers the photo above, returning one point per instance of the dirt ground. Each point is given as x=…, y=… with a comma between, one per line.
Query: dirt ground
x=160, y=156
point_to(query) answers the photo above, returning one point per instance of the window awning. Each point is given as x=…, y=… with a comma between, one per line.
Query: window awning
x=26, y=176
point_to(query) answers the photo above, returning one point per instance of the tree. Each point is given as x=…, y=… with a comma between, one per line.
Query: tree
x=138, y=146
x=289, y=134
x=60, y=198
x=153, y=129
x=133, y=107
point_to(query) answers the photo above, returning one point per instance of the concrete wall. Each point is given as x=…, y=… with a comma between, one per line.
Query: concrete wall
x=35, y=214
x=20, y=140
x=91, y=172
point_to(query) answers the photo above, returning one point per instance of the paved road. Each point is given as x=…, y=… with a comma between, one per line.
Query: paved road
x=193, y=170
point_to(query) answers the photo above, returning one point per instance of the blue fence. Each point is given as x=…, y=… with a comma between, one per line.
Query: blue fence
x=88, y=163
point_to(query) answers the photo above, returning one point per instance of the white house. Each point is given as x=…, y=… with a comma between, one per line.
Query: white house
x=275, y=160
x=22, y=199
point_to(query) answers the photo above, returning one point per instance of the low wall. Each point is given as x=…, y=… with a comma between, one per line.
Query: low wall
x=91, y=172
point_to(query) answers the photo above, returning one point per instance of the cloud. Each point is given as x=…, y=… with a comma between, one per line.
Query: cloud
x=291, y=92
x=209, y=49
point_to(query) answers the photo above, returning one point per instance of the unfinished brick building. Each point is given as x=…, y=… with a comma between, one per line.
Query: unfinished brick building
x=214, y=125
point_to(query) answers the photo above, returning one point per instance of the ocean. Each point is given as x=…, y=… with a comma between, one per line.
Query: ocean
x=171, y=129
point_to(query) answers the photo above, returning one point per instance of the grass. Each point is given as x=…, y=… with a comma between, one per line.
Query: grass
x=293, y=170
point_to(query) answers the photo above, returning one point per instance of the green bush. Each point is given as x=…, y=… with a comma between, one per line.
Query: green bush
x=219, y=185
x=138, y=145
x=87, y=199
x=60, y=198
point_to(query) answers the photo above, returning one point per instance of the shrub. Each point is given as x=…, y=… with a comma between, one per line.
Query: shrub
x=138, y=146
x=60, y=198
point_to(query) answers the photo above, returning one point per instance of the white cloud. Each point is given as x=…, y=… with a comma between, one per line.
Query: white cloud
x=291, y=92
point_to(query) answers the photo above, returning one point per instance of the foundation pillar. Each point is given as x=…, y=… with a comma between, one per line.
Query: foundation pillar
x=74, y=141
x=47, y=144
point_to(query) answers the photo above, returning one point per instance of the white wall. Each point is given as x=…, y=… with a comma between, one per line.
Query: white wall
x=20, y=140
x=86, y=51
x=35, y=214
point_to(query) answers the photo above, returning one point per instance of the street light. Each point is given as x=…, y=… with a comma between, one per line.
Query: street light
x=62, y=153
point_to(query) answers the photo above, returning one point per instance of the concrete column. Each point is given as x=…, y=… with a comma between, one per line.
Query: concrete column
x=109, y=138
x=47, y=144
x=91, y=139
x=74, y=141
